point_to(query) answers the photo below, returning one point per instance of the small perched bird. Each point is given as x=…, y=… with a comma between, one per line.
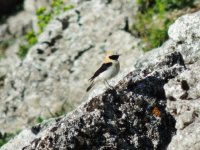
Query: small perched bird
x=108, y=70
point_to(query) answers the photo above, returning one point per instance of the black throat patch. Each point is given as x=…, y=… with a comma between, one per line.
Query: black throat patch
x=114, y=57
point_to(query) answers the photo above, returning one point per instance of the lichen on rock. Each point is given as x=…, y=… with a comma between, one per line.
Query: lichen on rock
x=154, y=104
x=119, y=118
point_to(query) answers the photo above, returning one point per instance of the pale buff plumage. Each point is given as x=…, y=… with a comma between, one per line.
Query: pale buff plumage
x=108, y=70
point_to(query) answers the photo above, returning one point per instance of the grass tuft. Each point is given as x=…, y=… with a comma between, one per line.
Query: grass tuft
x=153, y=20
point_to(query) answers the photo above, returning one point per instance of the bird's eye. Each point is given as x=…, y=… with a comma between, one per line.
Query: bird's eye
x=114, y=57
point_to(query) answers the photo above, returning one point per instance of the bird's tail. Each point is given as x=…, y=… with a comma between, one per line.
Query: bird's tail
x=89, y=87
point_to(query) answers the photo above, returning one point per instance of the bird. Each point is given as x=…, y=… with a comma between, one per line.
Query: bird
x=108, y=70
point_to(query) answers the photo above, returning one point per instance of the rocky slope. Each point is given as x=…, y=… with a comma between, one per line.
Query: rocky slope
x=155, y=106
x=130, y=116
x=56, y=70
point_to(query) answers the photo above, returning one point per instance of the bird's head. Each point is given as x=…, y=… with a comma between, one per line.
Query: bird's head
x=111, y=57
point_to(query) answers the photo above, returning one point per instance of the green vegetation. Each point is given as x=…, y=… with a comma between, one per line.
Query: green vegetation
x=2, y=55
x=39, y=119
x=4, y=44
x=43, y=18
x=153, y=20
x=30, y=39
x=66, y=107
x=4, y=138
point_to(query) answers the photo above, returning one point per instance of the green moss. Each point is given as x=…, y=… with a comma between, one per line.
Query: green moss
x=44, y=16
x=153, y=20
x=4, y=138
x=30, y=39
x=4, y=44
x=68, y=7
x=2, y=55
x=23, y=50
x=63, y=110
x=175, y=4
x=39, y=119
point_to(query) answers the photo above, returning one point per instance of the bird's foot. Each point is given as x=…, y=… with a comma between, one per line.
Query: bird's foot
x=109, y=86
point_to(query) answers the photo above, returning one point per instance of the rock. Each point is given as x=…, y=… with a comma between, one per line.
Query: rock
x=119, y=118
x=56, y=69
x=186, y=107
x=17, y=25
x=33, y=5
x=154, y=106
x=182, y=92
x=187, y=138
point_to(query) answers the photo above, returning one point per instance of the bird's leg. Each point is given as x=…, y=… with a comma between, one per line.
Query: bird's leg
x=105, y=83
x=111, y=87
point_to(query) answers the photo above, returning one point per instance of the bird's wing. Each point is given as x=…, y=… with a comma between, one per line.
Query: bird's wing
x=103, y=67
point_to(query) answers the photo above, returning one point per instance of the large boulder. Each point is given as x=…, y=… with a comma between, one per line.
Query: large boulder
x=131, y=115
x=55, y=73
x=182, y=92
x=154, y=106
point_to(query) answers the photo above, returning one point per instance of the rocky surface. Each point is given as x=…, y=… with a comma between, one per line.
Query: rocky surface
x=182, y=92
x=130, y=116
x=56, y=70
x=138, y=112
x=12, y=30
x=184, y=89
x=155, y=106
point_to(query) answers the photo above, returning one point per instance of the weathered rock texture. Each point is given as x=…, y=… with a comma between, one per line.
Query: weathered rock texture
x=130, y=116
x=137, y=113
x=13, y=29
x=55, y=73
x=182, y=92
x=157, y=100
x=185, y=103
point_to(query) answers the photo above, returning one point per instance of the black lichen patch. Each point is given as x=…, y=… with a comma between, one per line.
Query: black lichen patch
x=40, y=51
x=53, y=50
x=54, y=129
x=35, y=129
x=93, y=104
x=45, y=75
x=2, y=78
x=130, y=116
x=175, y=58
x=150, y=86
x=184, y=95
x=171, y=98
x=184, y=85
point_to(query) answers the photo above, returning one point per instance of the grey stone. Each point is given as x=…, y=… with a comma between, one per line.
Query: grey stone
x=119, y=118
x=56, y=70
x=33, y=5
x=164, y=80
x=185, y=87
x=182, y=92
x=17, y=25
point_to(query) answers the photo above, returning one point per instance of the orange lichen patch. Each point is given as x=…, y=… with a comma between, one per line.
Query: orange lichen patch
x=156, y=112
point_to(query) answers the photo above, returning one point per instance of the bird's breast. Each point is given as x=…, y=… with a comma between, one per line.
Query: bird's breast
x=110, y=72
